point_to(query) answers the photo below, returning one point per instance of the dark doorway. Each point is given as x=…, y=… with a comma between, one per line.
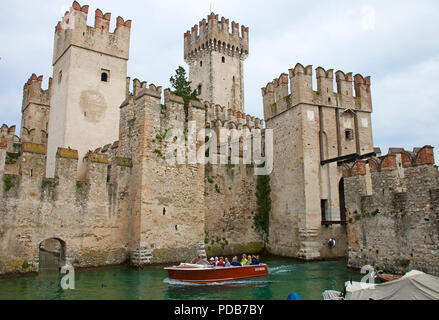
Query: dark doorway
x=52, y=255
x=342, y=200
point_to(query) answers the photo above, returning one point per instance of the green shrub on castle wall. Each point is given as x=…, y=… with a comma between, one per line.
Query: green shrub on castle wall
x=405, y=263
x=11, y=158
x=82, y=184
x=9, y=182
x=49, y=183
x=182, y=88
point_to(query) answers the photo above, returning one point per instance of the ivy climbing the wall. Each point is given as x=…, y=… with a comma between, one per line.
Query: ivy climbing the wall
x=263, y=203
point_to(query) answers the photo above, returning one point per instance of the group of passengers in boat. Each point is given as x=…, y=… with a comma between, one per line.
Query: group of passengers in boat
x=224, y=262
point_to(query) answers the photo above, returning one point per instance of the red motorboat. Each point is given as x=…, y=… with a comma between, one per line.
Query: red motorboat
x=206, y=274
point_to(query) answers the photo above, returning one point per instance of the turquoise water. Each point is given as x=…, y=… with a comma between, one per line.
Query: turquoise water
x=286, y=276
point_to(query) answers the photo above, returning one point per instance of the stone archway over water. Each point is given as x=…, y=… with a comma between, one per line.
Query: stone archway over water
x=52, y=255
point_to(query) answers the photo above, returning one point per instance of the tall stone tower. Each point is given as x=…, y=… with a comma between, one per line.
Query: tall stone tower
x=35, y=110
x=315, y=132
x=89, y=82
x=216, y=61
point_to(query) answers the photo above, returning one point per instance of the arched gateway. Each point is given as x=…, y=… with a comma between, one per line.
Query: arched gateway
x=52, y=255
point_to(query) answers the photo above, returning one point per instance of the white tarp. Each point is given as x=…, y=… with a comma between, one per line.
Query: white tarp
x=414, y=285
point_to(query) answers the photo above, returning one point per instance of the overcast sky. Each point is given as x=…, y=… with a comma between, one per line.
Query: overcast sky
x=395, y=42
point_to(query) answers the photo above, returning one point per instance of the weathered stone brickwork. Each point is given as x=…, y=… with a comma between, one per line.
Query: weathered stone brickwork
x=311, y=127
x=394, y=222
x=230, y=208
x=83, y=214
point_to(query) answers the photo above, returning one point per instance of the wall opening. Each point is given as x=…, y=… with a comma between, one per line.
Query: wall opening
x=104, y=77
x=52, y=255
x=349, y=134
x=199, y=89
x=324, y=208
x=223, y=59
x=108, y=173
x=342, y=200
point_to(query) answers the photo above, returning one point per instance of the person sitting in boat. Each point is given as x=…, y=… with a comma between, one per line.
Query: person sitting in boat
x=212, y=262
x=198, y=260
x=255, y=260
x=220, y=262
x=249, y=260
x=227, y=263
x=235, y=262
x=244, y=259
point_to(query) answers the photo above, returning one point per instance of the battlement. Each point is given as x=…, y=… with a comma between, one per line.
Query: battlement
x=214, y=35
x=8, y=138
x=34, y=93
x=140, y=89
x=289, y=90
x=219, y=116
x=30, y=160
x=73, y=30
x=396, y=159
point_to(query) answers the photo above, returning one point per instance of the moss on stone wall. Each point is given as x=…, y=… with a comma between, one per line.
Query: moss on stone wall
x=33, y=148
x=124, y=162
x=67, y=153
x=99, y=158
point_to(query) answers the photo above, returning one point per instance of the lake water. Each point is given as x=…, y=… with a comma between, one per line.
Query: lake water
x=286, y=276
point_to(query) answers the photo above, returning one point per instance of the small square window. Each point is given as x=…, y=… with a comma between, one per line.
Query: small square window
x=349, y=134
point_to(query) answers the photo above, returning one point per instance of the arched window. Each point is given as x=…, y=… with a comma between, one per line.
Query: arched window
x=104, y=77
x=200, y=89
x=201, y=63
x=223, y=59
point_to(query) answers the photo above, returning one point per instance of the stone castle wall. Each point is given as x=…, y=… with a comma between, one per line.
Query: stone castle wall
x=132, y=205
x=230, y=203
x=393, y=212
x=85, y=214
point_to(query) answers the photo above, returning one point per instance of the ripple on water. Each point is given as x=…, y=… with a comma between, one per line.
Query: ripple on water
x=225, y=283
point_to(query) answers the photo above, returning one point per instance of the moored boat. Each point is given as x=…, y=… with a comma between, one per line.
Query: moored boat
x=206, y=274
x=414, y=285
x=386, y=277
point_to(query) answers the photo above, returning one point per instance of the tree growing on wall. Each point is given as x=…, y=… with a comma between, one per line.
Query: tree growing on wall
x=182, y=88
x=261, y=219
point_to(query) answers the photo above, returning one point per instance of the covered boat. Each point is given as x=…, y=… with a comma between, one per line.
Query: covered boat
x=207, y=274
x=414, y=285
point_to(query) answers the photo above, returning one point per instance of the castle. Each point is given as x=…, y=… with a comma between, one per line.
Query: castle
x=88, y=182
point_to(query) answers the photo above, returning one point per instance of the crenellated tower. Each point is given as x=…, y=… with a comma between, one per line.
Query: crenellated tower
x=215, y=56
x=315, y=131
x=89, y=82
x=35, y=110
